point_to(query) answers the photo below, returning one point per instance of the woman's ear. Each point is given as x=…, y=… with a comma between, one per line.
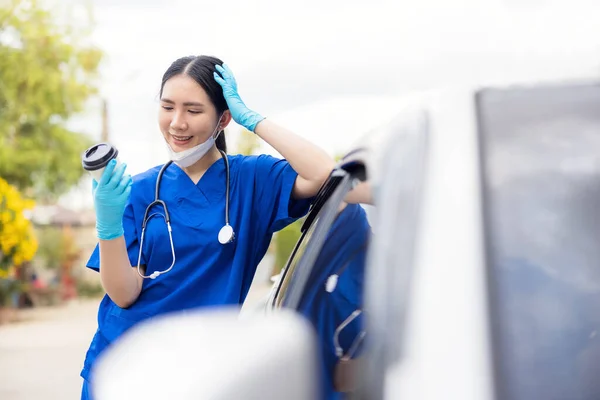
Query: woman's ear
x=225, y=119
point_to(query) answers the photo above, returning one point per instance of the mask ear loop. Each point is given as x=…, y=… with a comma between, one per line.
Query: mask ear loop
x=218, y=131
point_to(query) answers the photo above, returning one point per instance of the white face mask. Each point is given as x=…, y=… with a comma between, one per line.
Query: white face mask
x=189, y=157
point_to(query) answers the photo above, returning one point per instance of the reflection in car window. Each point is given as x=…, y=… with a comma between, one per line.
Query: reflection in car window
x=324, y=281
x=331, y=189
x=541, y=157
x=322, y=224
x=333, y=299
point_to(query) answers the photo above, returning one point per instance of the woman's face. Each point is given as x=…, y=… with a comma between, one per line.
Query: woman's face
x=187, y=116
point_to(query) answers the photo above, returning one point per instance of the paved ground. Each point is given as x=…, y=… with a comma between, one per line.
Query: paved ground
x=42, y=354
x=40, y=358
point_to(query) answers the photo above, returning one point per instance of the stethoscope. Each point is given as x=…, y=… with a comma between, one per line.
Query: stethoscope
x=339, y=352
x=330, y=286
x=226, y=234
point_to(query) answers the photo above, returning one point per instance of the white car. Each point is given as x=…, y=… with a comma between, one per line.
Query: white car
x=480, y=269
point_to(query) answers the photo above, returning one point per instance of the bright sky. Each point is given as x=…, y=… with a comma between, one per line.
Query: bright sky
x=329, y=70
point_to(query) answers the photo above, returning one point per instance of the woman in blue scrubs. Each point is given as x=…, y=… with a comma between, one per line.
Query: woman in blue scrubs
x=198, y=99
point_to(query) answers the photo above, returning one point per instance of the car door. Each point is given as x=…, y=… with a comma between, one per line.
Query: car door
x=325, y=277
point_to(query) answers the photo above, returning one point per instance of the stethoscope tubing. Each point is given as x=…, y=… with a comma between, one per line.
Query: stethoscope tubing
x=167, y=218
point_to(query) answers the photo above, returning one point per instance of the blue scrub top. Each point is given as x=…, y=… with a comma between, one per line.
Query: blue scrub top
x=206, y=273
x=343, y=253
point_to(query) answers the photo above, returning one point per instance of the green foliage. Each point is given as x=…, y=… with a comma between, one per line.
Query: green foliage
x=56, y=247
x=47, y=73
x=89, y=289
x=49, y=248
x=247, y=144
x=285, y=241
x=8, y=288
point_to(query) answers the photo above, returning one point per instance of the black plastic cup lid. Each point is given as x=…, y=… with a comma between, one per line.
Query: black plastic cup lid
x=98, y=156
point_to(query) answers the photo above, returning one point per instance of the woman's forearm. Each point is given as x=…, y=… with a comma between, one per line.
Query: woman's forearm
x=121, y=282
x=311, y=162
x=361, y=194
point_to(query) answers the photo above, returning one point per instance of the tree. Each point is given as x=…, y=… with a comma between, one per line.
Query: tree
x=48, y=71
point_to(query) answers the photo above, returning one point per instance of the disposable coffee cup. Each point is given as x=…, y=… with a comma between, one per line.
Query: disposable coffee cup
x=96, y=158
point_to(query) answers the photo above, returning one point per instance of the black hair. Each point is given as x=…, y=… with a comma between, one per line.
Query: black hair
x=201, y=69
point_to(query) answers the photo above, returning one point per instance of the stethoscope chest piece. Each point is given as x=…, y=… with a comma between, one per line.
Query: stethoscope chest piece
x=331, y=283
x=226, y=234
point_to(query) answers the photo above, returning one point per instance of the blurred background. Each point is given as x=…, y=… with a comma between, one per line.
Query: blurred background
x=75, y=72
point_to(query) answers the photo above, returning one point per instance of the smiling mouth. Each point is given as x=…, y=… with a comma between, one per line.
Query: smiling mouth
x=181, y=139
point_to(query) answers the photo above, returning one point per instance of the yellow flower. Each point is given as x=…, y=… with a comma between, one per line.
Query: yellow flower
x=17, y=240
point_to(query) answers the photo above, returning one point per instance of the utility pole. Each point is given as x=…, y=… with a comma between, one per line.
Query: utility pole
x=104, y=134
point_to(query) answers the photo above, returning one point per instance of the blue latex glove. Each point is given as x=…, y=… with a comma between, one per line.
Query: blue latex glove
x=110, y=198
x=239, y=112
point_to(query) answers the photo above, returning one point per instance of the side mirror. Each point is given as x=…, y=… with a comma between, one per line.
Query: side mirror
x=211, y=355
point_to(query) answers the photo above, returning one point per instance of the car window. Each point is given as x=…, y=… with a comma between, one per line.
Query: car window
x=324, y=282
x=302, y=261
x=309, y=226
x=541, y=171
